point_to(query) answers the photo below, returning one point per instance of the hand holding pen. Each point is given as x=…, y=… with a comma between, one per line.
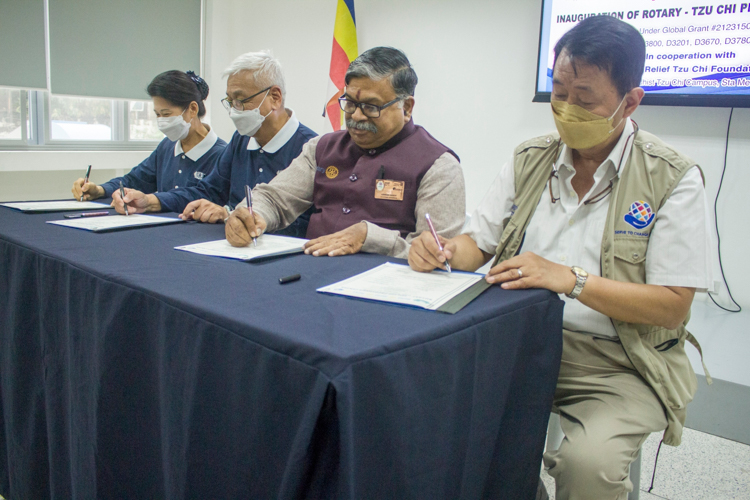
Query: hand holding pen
x=437, y=240
x=85, y=180
x=249, y=200
x=83, y=189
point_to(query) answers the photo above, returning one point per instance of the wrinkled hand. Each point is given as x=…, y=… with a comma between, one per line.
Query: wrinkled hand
x=345, y=242
x=88, y=190
x=241, y=227
x=535, y=272
x=204, y=211
x=424, y=254
x=136, y=201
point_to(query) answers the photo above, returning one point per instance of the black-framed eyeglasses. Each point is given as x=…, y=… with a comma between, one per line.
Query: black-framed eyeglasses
x=601, y=194
x=239, y=104
x=369, y=110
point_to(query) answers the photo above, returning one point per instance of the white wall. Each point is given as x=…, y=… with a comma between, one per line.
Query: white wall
x=476, y=61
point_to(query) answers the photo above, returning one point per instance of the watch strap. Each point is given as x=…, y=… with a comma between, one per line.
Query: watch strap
x=580, y=281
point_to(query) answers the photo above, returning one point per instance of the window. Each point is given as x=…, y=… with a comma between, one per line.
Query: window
x=81, y=119
x=142, y=122
x=36, y=120
x=11, y=123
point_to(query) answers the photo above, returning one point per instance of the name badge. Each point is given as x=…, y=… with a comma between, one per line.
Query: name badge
x=389, y=190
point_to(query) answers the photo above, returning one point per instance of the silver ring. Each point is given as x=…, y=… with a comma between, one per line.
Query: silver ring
x=520, y=273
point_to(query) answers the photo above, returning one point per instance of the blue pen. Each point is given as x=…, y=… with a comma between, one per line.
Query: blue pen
x=249, y=200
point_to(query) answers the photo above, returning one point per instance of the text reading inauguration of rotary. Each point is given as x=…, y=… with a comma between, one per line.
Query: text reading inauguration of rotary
x=702, y=49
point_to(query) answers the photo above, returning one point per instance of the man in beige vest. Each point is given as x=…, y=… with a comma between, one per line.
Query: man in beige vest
x=628, y=213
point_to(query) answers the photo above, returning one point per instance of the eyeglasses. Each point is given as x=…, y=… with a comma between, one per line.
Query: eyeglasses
x=601, y=194
x=238, y=104
x=369, y=110
x=594, y=199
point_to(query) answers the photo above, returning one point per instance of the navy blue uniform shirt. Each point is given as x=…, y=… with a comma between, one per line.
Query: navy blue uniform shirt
x=245, y=162
x=168, y=167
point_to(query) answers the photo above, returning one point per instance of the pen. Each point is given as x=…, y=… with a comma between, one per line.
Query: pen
x=249, y=200
x=289, y=279
x=122, y=195
x=85, y=180
x=85, y=214
x=437, y=240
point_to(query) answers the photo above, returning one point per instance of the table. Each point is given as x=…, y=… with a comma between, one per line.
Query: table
x=132, y=370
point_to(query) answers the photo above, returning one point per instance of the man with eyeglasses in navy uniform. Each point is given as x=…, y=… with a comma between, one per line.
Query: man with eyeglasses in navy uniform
x=269, y=136
x=629, y=214
x=372, y=184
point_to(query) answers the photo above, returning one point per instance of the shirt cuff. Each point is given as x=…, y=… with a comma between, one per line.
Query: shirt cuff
x=379, y=240
x=272, y=224
x=168, y=202
x=108, y=188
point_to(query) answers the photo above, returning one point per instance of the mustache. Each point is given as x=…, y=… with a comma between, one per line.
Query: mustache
x=366, y=126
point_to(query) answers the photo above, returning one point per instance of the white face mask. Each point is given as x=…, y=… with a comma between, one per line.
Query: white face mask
x=174, y=127
x=248, y=122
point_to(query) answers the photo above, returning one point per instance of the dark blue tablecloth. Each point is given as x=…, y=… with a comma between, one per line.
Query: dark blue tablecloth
x=131, y=370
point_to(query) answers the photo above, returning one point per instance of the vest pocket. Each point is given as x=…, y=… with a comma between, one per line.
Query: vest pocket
x=666, y=349
x=665, y=346
x=630, y=259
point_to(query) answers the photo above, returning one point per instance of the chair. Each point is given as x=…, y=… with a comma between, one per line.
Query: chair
x=554, y=439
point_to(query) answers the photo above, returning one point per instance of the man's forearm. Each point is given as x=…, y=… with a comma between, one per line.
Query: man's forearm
x=634, y=303
x=468, y=256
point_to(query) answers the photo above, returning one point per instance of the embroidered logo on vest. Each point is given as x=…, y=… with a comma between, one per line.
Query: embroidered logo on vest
x=640, y=215
x=199, y=175
x=332, y=172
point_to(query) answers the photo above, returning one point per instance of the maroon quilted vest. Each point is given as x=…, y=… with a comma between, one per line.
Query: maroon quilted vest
x=346, y=178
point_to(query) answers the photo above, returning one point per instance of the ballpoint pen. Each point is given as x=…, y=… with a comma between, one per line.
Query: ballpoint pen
x=122, y=195
x=437, y=240
x=85, y=214
x=249, y=200
x=85, y=180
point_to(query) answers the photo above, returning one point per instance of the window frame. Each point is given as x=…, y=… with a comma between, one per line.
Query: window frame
x=36, y=129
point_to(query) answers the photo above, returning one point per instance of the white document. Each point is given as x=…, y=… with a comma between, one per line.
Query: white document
x=269, y=245
x=56, y=206
x=400, y=284
x=114, y=222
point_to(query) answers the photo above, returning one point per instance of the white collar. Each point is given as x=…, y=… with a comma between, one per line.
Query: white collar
x=199, y=149
x=282, y=136
x=613, y=159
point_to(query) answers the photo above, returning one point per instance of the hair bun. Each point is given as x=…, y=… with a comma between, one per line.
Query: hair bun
x=200, y=83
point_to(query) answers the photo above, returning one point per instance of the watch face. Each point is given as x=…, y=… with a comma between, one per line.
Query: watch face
x=577, y=270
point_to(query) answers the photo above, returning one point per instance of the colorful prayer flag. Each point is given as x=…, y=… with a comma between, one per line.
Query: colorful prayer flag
x=343, y=53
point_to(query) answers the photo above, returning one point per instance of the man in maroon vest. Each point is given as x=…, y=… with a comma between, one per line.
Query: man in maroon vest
x=371, y=184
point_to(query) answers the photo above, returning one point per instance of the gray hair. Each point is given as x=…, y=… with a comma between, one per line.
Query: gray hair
x=265, y=68
x=385, y=62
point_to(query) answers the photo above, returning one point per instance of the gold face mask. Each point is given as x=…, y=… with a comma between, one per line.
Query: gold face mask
x=580, y=128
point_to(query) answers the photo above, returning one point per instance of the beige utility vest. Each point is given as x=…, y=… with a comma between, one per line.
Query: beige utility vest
x=652, y=172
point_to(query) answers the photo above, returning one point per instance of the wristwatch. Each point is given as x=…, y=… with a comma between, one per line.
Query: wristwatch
x=581, y=277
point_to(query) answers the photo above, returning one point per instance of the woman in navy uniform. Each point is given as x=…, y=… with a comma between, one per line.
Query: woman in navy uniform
x=187, y=153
